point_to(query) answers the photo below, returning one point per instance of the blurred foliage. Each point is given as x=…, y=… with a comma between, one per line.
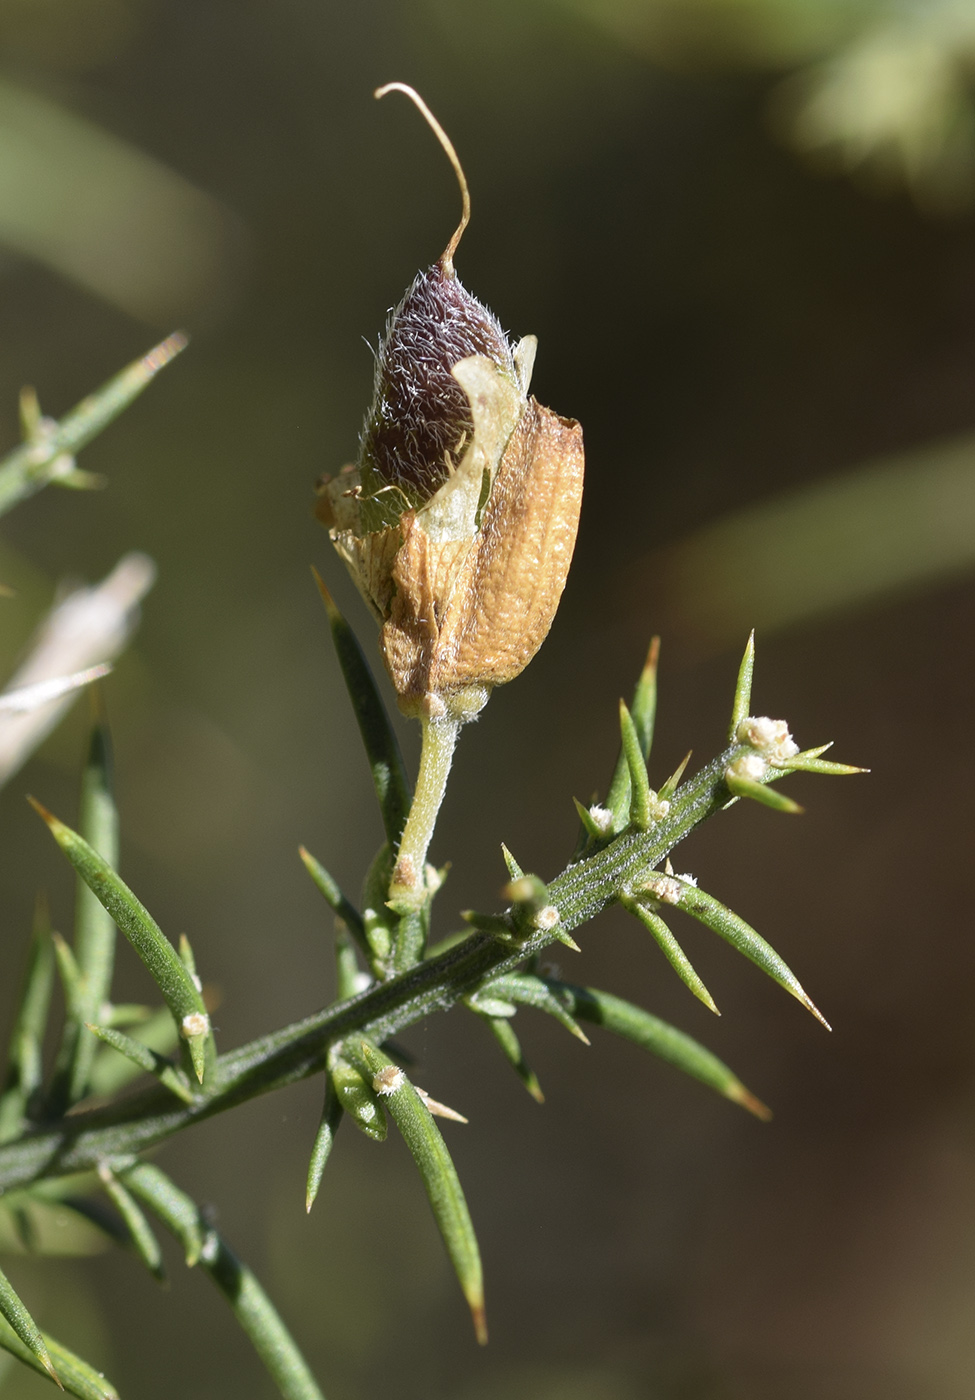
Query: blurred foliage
x=883, y=88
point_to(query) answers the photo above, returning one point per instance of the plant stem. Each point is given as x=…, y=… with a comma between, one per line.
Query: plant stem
x=584, y=888
x=407, y=890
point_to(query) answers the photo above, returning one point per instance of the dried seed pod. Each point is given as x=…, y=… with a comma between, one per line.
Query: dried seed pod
x=459, y=519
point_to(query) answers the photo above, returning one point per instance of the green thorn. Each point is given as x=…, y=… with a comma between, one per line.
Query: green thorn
x=382, y=749
x=759, y=792
x=439, y=1176
x=514, y=869
x=634, y=1024
x=140, y=1232
x=642, y=797
x=20, y=1320
x=671, y=950
x=643, y=712
x=673, y=890
x=741, y=707
x=673, y=782
x=147, y=938
x=148, y=1060
x=324, y=1140
x=504, y=1034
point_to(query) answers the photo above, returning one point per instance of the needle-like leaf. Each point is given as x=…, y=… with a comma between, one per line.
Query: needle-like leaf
x=529, y=990
x=743, y=786
x=671, y=950
x=147, y=1060
x=13, y=1310
x=504, y=1034
x=386, y=762
x=147, y=938
x=251, y=1306
x=75, y=1376
x=47, y=455
x=671, y=889
x=650, y=1033
x=641, y=795
x=643, y=713
x=174, y=1208
x=25, y=1067
x=140, y=1231
x=741, y=706
x=324, y=1139
x=112, y=1070
x=342, y=906
x=423, y=1138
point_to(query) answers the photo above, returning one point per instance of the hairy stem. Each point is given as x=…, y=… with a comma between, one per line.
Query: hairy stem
x=407, y=889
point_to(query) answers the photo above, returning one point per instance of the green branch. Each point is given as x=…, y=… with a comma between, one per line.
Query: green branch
x=582, y=890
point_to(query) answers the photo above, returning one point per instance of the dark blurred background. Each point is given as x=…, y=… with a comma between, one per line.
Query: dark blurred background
x=742, y=234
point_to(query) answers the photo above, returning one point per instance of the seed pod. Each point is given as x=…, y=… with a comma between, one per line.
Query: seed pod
x=459, y=519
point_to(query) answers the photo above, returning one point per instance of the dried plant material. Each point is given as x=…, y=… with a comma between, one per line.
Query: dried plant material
x=459, y=519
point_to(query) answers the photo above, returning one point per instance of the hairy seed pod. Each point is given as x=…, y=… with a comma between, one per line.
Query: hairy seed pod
x=459, y=519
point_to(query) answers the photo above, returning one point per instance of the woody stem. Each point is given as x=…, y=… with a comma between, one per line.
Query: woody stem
x=407, y=890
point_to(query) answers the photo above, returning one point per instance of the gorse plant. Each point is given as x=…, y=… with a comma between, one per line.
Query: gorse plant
x=458, y=523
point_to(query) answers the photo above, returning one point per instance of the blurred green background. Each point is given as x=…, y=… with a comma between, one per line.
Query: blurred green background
x=741, y=230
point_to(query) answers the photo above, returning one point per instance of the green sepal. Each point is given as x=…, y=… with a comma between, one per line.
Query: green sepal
x=666, y=1041
x=342, y=906
x=24, y=1326
x=671, y=950
x=741, y=705
x=44, y=457
x=429, y=1151
x=147, y=938
x=643, y=714
x=140, y=1231
x=324, y=1139
x=526, y=989
x=357, y=1100
x=759, y=792
x=385, y=761
x=25, y=1069
x=149, y=1061
x=733, y=929
x=504, y=1034
x=75, y=1376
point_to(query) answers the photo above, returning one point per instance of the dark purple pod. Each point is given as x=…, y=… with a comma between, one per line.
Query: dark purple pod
x=420, y=420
